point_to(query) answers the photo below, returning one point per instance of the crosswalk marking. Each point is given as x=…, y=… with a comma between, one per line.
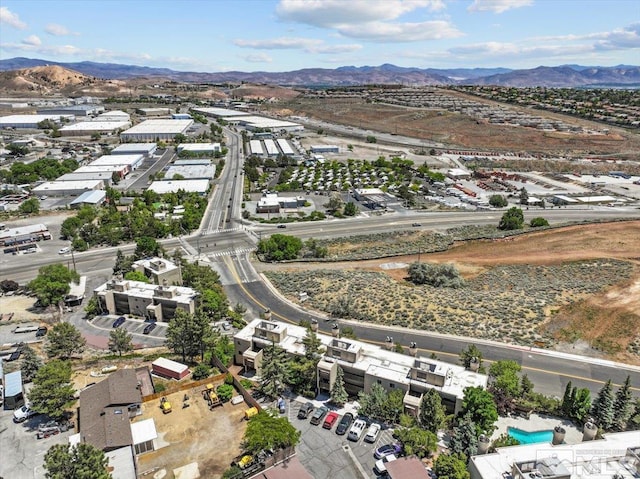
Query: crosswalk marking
x=231, y=252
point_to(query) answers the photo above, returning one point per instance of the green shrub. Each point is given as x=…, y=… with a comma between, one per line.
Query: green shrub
x=538, y=222
x=225, y=392
x=159, y=386
x=228, y=379
x=201, y=371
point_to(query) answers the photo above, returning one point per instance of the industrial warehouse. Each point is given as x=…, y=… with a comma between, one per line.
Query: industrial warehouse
x=155, y=130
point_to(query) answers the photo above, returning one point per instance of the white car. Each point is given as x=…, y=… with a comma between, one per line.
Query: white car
x=372, y=433
x=64, y=250
x=24, y=413
x=356, y=430
x=381, y=465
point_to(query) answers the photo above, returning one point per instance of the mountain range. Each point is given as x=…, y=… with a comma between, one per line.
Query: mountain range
x=560, y=76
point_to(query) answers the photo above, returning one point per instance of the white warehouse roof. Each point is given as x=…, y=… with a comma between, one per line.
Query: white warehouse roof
x=160, y=126
x=219, y=112
x=95, y=126
x=172, y=186
x=117, y=160
x=199, y=147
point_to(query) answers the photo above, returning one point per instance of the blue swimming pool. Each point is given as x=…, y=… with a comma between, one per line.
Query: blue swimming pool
x=526, y=437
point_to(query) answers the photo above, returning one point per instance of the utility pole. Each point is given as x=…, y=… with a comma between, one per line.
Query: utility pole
x=73, y=258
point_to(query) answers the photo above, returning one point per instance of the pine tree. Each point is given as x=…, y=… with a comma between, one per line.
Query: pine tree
x=275, y=371
x=432, y=411
x=339, y=394
x=602, y=408
x=464, y=438
x=581, y=403
x=30, y=363
x=622, y=406
x=567, y=402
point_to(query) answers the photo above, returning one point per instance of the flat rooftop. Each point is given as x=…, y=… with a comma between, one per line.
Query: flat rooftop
x=144, y=290
x=161, y=126
x=219, y=112
x=96, y=126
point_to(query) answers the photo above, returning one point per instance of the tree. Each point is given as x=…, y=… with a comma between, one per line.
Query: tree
x=526, y=385
x=136, y=276
x=538, y=222
x=567, y=400
x=464, y=437
x=498, y=201
x=602, y=408
x=280, y=247
x=622, y=406
x=52, y=391
x=145, y=247
x=275, y=371
x=524, y=196
x=339, y=394
x=82, y=461
x=581, y=403
x=478, y=402
x=432, y=412
x=504, y=440
x=350, y=209
x=469, y=355
x=31, y=363
x=417, y=441
x=187, y=334
x=436, y=275
x=63, y=341
x=32, y=205
x=372, y=404
x=120, y=341
x=371, y=139
x=512, y=219
x=52, y=284
x=504, y=377
x=451, y=466
x=265, y=432
x=312, y=345
x=335, y=203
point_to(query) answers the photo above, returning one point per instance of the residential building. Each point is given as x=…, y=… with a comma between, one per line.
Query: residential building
x=363, y=364
x=159, y=271
x=616, y=455
x=149, y=301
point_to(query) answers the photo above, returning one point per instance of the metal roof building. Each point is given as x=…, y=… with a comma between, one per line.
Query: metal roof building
x=30, y=121
x=113, y=115
x=272, y=149
x=285, y=146
x=252, y=122
x=75, y=110
x=191, y=172
x=132, y=161
x=256, y=147
x=152, y=130
x=199, y=147
x=172, y=186
x=84, y=128
x=68, y=188
x=105, y=176
x=96, y=197
x=146, y=149
x=13, y=394
x=219, y=112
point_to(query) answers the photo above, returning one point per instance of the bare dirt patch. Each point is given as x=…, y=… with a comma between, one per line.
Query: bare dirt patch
x=194, y=434
x=459, y=130
x=564, y=286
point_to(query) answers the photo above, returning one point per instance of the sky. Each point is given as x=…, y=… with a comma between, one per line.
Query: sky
x=285, y=35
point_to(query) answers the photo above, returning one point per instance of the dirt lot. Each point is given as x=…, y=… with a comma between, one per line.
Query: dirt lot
x=22, y=308
x=573, y=285
x=194, y=434
x=459, y=130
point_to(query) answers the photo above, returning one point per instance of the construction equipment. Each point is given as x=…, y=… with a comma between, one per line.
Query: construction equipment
x=211, y=397
x=165, y=405
x=249, y=413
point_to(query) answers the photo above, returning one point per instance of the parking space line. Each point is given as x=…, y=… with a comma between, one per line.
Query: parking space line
x=355, y=461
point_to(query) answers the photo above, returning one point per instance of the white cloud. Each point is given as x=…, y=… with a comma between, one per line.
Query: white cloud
x=329, y=13
x=497, y=6
x=309, y=45
x=401, y=32
x=7, y=17
x=32, y=40
x=282, y=43
x=58, y=30
x=624, y=39
x=258, y=58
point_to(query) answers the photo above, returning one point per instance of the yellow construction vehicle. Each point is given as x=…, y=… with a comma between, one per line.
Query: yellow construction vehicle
x=165, y=405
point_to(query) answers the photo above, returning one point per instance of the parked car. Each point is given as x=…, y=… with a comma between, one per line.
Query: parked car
x=372, y=432
x=282, y=226
x=305, y=410
x=24, y=413
x=41, y=331
x=381, y=464
x=330, y=420
x=319, y=415
x=386, y=450
x=119, y=322
x=64, y=250
x=344, y=424
x=148, y=328
x=356, y=430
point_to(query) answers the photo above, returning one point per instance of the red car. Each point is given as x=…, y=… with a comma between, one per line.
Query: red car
x=330, y=420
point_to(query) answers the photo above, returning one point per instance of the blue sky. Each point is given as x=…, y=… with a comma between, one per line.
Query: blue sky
x=283, y=35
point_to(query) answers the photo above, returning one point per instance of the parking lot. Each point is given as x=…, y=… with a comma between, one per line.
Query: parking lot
x=327, y=455
x=135, y=327
x=22, y=453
